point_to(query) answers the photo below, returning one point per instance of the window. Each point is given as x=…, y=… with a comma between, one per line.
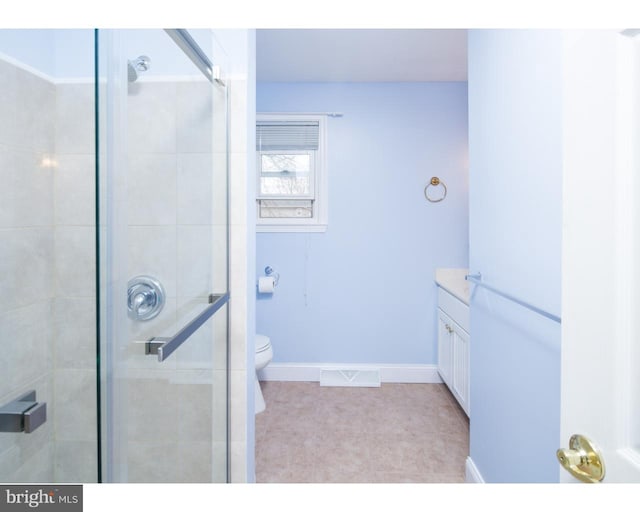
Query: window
x=291, y=176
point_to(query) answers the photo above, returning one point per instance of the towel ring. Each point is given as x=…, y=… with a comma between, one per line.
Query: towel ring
x=435, y=181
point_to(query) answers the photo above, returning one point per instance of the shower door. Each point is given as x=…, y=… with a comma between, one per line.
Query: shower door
x=162, y=141
x=47, y=259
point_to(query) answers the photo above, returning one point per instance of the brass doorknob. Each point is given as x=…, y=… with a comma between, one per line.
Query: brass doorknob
x=582, y=459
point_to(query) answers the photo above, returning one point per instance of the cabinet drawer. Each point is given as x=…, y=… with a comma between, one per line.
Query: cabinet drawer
x=455, y=308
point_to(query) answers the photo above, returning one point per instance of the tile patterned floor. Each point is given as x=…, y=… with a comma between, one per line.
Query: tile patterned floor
x=395, y=433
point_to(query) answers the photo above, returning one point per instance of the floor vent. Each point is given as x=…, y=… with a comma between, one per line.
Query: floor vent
x=350, y=377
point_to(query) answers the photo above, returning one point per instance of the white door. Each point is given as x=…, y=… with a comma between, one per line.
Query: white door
x=601, y=248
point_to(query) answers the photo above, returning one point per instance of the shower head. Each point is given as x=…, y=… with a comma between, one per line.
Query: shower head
x=141, y=64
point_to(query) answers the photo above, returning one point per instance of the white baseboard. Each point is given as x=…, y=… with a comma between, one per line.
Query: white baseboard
x=310, y=372
x=471, y=473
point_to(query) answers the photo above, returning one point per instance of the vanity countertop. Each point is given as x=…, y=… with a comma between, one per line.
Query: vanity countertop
x=452, y=280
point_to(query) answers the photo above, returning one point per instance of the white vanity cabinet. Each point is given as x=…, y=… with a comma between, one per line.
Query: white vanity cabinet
x=453, y=346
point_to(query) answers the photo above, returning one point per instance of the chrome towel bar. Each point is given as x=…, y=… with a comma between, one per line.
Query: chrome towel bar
x=164, y=347
x=477, y=280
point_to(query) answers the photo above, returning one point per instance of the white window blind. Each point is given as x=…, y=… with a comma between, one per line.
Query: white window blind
x=287, y=135
x=291, y=184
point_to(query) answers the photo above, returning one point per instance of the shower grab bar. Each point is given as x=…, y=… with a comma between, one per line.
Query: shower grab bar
x=164, y=347
x=477, y=280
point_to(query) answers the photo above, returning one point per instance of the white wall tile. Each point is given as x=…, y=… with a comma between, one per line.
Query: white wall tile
x=27, y=103
x=74, y=190
x=151, y=111
x=195, y=462
x=27, y=340
x=76, y=461
x=195, y=255
x=220, y=412
x=34, y=124
x=26, y=197
x=153, y=462
x=10, y=463
x=194, y=117
x=75, y=119
x=37, y=468
x=219, y=462
x=196, y=195
x=152, y=406
x=152, y=195
x=9, y=103
x=74, y=407
x=26, y=266
x=195, y=412
x=75, y=262
x=74, y=333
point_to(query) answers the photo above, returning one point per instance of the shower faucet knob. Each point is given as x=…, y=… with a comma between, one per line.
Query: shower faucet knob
x=145, y=298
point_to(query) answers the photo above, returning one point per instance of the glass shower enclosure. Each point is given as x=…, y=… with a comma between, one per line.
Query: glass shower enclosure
x=113, y=256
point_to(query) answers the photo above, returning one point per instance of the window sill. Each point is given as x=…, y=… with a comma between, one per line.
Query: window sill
x=291, y=228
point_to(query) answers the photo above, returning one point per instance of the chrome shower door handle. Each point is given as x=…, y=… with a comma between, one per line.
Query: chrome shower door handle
x=24, y=414
x=163, y=347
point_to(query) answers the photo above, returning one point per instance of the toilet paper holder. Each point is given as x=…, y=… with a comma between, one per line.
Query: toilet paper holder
x=268, y=271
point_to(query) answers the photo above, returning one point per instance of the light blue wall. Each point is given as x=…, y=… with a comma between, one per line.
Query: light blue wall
x=363, y=291
x=58, y=53
x=33, y=47
x=515, y=86
x=74, y=53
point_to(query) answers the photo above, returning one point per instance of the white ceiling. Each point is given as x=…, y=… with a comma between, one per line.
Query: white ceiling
x=361, y=55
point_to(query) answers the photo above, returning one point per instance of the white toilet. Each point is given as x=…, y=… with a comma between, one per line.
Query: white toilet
x=264, y=354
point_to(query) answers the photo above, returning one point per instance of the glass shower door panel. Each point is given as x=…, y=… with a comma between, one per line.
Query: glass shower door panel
x=167, y=236
x=47, y=254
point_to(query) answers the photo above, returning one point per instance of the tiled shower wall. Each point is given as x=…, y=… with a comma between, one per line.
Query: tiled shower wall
x=74, y=406
x=27, y=120
x=47, y=305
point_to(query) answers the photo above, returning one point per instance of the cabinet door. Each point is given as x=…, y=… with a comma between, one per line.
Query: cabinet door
x=460, y=366
x=444, y=347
